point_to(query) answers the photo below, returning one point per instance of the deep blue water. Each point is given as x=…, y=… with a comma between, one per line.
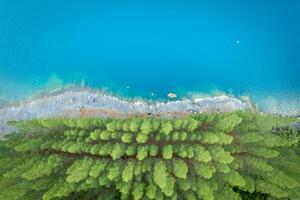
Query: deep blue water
x=237, y=47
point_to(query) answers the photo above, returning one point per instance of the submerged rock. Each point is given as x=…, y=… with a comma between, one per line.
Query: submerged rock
x=172, y=95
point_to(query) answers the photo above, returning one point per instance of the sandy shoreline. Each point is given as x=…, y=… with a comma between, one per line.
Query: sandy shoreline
x=87, y=103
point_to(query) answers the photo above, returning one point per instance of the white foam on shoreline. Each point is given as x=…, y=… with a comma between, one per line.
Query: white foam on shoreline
x=97, y=104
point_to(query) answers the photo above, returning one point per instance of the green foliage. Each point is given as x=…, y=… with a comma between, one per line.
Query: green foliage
x=201, y=154
x=169, y=189
x=223, y=138
x=142, y=152
x=204, y=170
x=249, y=137
x=226, y=193
x=141, y=138
x=151, y=190
x=59, y=189
x=227, y=123
x=192, y=124
x=146, y=126
x=43, y=167
x=240, y=155
x=126, y=138
x=98, y=168
x=79, y=170
x=167, y=152
x=160, y=174
x=134, y=125
x=138, y=191
x=177, y=123
x=210, y=138
x=130, y=151
x=166, y=127
x=111, y=126
x=274, y=190
x=204, y=191
x=127, y=174
x=180, y=168
x=233, y=178
x=256, y=164
x=220, y=155
x=106, y=135
x=117, y=151
x=114, y=171
x=153, y=150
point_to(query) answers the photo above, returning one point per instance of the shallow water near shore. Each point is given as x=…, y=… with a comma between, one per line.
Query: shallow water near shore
x=286, y=102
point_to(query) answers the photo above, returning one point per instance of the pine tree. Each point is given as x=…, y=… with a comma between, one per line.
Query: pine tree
x=206, y=156
x=180, y=168
x=127, y=174
x=98, y=167
x=112, y=126
x=160, y=174
x=79, y=170
x=153, y=150
x=166, y=127
x=142, y=152
x=146, y=126
x=167, y=152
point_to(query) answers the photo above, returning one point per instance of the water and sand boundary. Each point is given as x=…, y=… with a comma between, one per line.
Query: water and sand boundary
x=90, y=103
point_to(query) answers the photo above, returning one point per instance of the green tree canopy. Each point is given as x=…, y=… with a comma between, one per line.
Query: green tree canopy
x=240, y=155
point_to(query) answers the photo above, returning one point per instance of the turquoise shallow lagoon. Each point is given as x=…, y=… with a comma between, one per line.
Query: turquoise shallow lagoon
x=148, y=49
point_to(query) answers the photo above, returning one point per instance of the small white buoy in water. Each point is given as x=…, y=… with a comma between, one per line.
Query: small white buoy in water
x=127, y=86
x=172, y=95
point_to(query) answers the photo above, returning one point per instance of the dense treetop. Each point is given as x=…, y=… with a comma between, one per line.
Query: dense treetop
x=204, y=156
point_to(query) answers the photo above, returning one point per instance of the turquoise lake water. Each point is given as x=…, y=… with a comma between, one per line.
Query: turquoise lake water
x=147, y=49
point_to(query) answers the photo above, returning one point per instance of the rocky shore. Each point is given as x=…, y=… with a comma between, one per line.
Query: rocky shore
x=96, y=104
